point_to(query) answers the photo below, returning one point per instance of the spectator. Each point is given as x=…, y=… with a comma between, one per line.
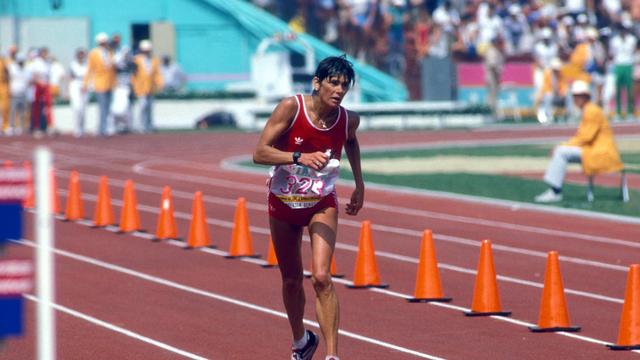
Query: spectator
x=493, y=64
x=101, y=73
x=553, y=93
x=121, y=103
x=543, y=52
x=5, y=94
x=78, y=98
x=490, y=26
x=40, y=70
x=146, y=81
x=622, y=49
x=56, y=77
x=173, y=76
x=593, y=146
x=20, y=86
x=596, y=63
x=516, y=26
x=447, y=17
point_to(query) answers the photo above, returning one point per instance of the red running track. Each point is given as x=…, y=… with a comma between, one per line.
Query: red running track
x=125, y=297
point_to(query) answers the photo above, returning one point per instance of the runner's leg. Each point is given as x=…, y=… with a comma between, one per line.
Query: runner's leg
x=286, y=242
x=322, y=230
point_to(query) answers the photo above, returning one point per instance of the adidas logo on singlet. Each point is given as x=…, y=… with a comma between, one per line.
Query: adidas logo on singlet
x=298, y=140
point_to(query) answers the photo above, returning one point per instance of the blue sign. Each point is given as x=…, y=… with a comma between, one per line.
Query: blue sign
x=13, y=191
x=11, y=223
x=15, y=280
x=11, y=315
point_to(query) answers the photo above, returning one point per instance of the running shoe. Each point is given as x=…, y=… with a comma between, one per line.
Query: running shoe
x=306, y=353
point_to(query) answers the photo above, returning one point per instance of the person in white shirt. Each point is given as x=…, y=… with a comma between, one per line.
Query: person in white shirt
x=40, y=70
x=621, y=49
x=543, y=52
x=20, y=86
x=78, y=99
x=173, y=76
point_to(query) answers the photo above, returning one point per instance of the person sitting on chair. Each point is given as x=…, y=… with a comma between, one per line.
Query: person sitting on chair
x=593, y=146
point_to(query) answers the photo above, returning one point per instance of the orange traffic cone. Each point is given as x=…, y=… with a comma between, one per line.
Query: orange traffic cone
x=553, y=307
x=366, y=273
x=486, y=300
x=629, y=332
x=272, y=260
x=29, y=201
x=129, y=216
x=198, y=230
x=55, y=199
x=74, y=209
x=241, y=244
x=166, y=228
x=428, y=286
x=104, y=214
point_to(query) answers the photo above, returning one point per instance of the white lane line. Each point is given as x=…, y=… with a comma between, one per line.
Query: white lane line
x=380, y=291
x=223, y=298
x=119, y=329
x=500, y=318
x=391, y=229
x=393, y=256
x=139, y=168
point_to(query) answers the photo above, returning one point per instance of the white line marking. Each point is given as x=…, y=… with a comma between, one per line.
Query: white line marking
x=351, y=223
x=223, y=298
x=403, y=258
x=118, y=329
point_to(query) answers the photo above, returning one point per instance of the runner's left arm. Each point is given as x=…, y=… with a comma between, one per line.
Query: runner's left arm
x=352, y=148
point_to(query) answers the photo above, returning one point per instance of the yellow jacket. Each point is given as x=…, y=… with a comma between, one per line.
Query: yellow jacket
x=101, y=73
x=547, y=83
x=4, y=74
x=575, y=68
x=146, y=80
x=594, y=136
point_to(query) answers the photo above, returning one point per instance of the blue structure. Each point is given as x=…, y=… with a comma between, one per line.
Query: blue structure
x=212, y=40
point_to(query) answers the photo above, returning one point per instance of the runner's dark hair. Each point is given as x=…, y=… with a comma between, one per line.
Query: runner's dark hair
x=336, y=66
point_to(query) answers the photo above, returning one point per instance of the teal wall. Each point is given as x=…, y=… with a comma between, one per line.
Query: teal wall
x=213, y=49
x=214, y=39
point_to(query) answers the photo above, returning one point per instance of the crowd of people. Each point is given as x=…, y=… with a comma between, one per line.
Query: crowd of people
x=31, y=82
x=585, y=39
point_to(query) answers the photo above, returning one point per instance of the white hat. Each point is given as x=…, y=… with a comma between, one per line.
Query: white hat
x=145, y=45
x=568, y=20
x=592, y=33
x=102, y=38
x=514, y=9
x=582, y=18
x=580, y=87
x=556, y=64
x=400, y=3
x=546, y=33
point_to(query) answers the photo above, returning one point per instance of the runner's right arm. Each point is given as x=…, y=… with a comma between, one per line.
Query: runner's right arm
x=280, y=120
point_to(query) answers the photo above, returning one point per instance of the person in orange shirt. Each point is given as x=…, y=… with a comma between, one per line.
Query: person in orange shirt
x=146, y=81
x=593, y=146
x=5, y=95
x=101, y=74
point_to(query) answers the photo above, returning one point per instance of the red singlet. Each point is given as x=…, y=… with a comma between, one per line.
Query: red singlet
x=302, y=135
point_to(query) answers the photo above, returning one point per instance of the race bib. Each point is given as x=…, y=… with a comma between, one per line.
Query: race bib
x=301, y=187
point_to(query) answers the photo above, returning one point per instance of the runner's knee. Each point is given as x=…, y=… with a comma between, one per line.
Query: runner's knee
x=321, y=280
x=292, y=284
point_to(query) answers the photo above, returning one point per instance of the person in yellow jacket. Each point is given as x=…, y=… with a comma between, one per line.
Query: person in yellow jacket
x=593, y=146
x=5, y=94
x=146, y=81
x=553, y=92
x=101, y=74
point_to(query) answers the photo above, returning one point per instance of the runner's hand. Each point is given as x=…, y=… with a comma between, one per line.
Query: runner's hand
x=315, y=160
x=357, y=199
